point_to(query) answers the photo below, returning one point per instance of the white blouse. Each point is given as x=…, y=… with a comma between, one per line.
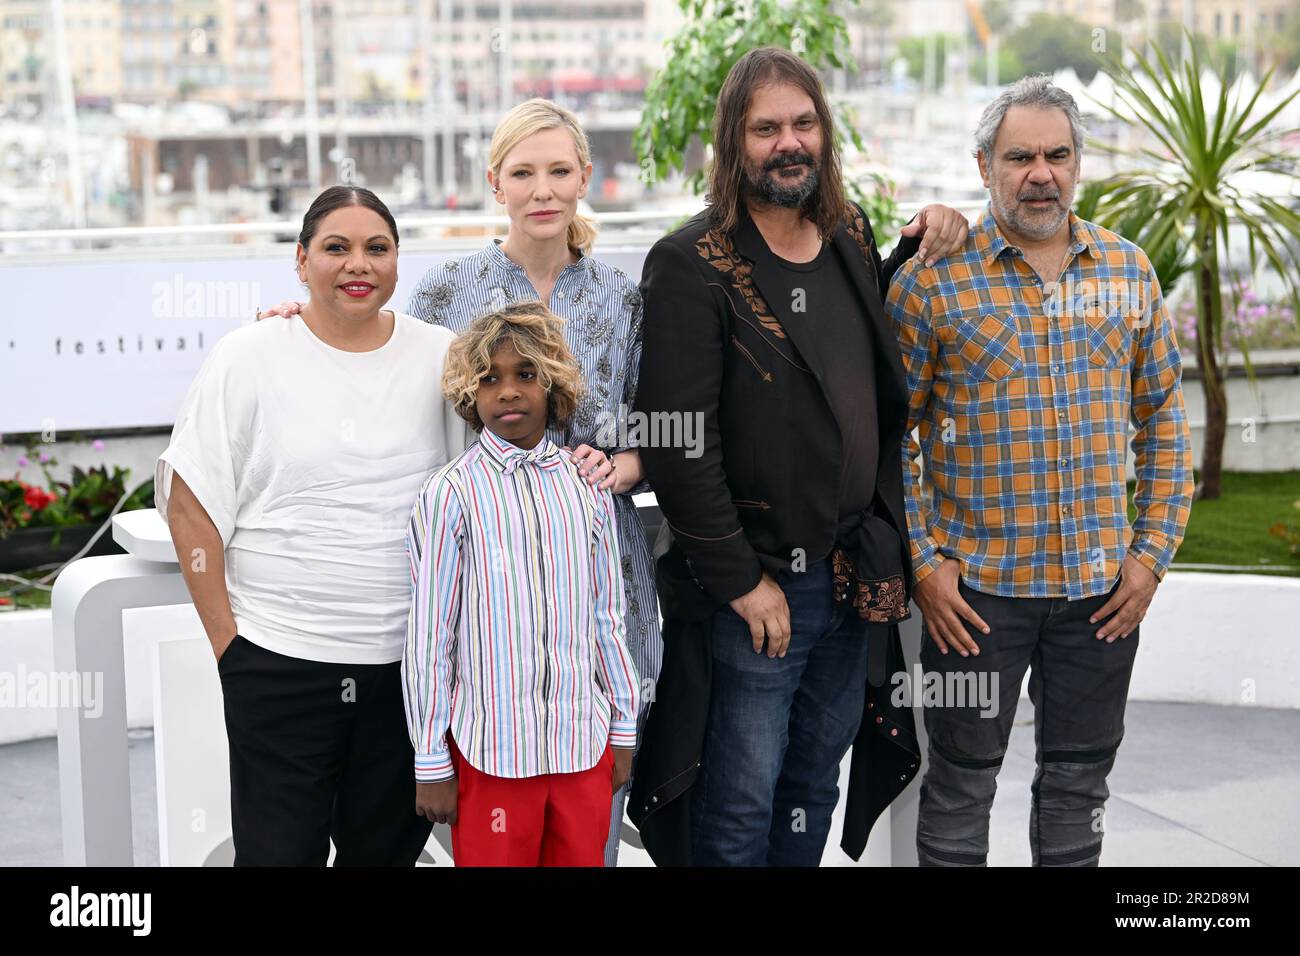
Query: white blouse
x=308, y=460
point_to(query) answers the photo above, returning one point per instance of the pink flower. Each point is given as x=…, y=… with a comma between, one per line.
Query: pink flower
x=44, y=458
x=22, y=461
x=98, y=445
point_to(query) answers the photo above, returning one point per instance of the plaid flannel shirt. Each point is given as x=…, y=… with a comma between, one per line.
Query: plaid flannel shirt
x=1023, y=393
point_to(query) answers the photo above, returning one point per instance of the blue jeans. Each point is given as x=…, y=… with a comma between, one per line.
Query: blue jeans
x=778, y=730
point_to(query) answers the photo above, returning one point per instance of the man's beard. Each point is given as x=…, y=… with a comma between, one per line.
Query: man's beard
x=1036, y=224
x=762, y=186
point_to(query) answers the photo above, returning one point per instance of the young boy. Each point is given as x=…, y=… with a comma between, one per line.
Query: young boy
x=521, y=695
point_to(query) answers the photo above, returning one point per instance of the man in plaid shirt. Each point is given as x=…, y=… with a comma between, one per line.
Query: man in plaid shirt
x=1028, y=353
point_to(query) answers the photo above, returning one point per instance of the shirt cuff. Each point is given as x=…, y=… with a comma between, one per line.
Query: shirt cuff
x=1153, y=555
x=910, y=245
x=434, y=767
x=622, y=733
x=925, y=561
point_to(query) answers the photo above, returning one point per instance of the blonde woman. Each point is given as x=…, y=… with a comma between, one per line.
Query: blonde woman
x=539, y=166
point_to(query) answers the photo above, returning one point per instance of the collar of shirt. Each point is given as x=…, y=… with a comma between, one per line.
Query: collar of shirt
x=991, y=243
x=503, y=261
x=508, y=456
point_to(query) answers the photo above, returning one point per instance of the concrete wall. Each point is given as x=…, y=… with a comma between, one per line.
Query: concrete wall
x=1263, y=417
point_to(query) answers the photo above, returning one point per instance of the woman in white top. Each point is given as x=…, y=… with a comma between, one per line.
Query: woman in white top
x=287, y=486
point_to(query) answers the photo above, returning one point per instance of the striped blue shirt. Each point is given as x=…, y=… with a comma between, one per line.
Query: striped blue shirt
x=515, y=640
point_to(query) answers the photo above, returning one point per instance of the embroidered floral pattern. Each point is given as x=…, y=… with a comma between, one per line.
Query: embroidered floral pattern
x=880, y=602
x=439, y=296
x=716, y=249
x=632, y=299
x=637, y=628
x=597, y=330
x=588, y=408
x=857, y=226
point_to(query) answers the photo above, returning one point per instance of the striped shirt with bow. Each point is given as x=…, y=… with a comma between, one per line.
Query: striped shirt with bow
x=515, y=641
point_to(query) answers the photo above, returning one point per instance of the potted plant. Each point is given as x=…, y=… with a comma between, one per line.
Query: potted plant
x=40, y=526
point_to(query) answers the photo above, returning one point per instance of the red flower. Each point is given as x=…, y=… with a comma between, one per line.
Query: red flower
x=5, y=601
x=36, y=498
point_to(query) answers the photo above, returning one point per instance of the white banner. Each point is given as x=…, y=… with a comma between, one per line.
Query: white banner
x=90, y=345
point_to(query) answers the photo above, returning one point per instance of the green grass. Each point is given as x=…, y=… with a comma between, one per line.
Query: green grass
x=1234, y=529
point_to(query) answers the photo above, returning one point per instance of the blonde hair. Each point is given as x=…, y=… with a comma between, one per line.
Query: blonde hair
x=534, y=116
x=537, y=334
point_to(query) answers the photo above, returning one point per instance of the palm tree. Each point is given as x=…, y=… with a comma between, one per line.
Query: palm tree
x=1135, y=221
x=1191, y=190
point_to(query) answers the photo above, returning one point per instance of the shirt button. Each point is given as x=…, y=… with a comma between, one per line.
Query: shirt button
x=1056, y=368
x=1064, y=462
x=1065, y=509
x=559, y=295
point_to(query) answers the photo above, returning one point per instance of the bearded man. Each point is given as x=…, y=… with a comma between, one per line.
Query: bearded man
x=789, y=566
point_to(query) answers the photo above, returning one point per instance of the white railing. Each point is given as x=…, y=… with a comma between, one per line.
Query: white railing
x=447, y=231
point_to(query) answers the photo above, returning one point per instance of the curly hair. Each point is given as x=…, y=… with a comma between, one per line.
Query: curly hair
x=537, y=334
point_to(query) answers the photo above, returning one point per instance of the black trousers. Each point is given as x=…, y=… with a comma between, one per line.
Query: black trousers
x=1079, y=687
x=318, y=752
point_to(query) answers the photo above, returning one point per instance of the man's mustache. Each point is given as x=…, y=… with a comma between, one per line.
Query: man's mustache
x=789, y=159
x=1030, y=196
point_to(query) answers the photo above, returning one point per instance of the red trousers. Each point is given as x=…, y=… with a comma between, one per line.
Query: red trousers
x=556, y=819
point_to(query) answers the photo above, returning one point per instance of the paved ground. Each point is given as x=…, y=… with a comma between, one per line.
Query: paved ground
x=1194, y=786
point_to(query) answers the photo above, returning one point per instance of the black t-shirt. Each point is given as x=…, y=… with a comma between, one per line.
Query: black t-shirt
x=826, y=293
